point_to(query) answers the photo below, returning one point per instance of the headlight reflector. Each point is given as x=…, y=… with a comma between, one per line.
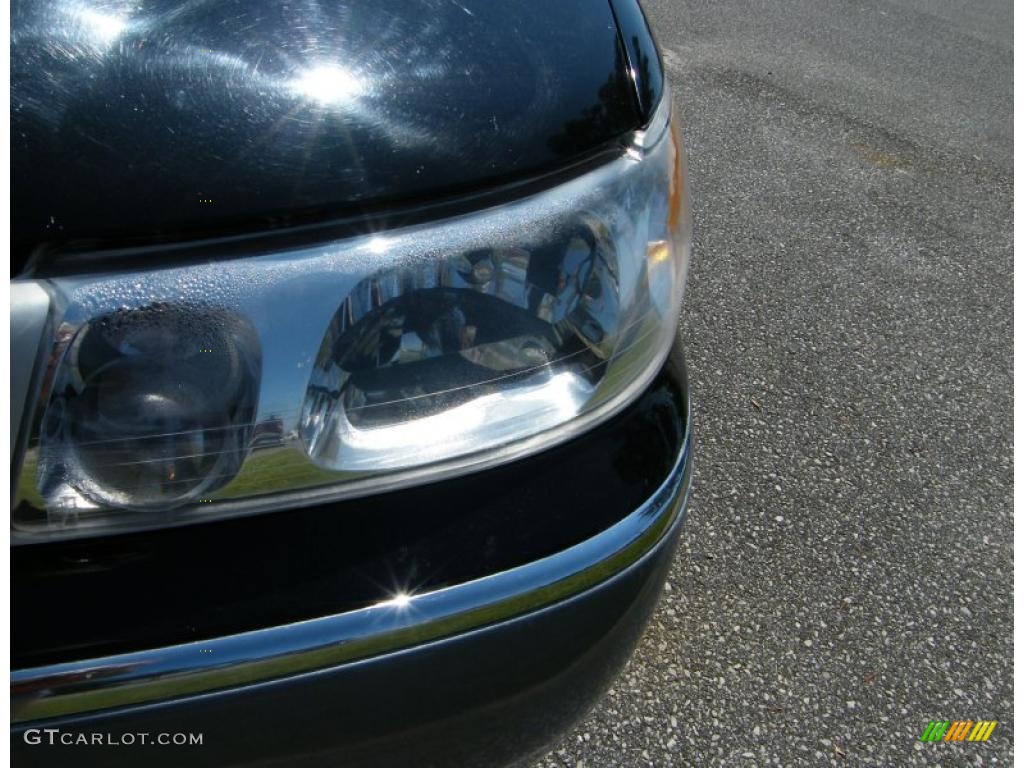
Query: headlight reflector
x=474, y=351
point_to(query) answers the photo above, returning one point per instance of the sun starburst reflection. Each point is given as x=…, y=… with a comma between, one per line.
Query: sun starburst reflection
x=400, y=600
x=327, y=84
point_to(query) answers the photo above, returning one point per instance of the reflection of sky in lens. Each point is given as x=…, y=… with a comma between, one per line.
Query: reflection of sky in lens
x=292, y=338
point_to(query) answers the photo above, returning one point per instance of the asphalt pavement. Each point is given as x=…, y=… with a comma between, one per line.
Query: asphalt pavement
x=846, y=572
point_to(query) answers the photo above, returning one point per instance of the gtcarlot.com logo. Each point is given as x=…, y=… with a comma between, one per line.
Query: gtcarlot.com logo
x=56, y=736
x=958, y=730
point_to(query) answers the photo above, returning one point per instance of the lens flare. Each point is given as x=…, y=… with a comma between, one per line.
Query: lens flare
x=327, y=84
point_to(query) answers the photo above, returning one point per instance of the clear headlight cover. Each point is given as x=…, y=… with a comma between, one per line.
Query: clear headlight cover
x=206, y=390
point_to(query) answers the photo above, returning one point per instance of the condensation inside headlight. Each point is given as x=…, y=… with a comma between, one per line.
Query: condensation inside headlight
x=374, y=361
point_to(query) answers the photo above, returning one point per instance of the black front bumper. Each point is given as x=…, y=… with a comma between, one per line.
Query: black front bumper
x=474, y=672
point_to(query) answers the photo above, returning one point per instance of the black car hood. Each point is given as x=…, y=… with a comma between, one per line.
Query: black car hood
x=158, y=119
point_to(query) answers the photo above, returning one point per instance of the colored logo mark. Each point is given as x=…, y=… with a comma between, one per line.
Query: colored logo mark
x=959, y=730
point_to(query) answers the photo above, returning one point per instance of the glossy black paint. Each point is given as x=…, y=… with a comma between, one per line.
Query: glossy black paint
x=645, y=68
x=213, y=579
x=163, y=119
x=483, y=699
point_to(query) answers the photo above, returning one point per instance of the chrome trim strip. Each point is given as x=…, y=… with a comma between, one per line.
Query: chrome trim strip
x=251, y=657
x=30, y=312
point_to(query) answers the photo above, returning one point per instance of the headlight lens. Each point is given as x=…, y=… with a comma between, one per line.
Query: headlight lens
x=375, y=361
x=151, y=408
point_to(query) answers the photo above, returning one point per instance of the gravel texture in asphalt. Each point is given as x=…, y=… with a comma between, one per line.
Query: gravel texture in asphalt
x=846, y=571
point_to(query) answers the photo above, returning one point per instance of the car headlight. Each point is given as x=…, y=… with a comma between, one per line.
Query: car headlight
x=235, y=386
